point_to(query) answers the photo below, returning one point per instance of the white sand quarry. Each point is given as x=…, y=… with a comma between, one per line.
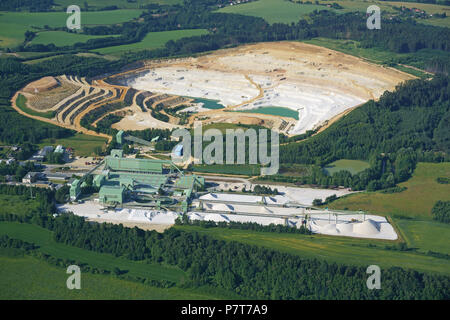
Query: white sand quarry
x=228, y=88
x=316, y=82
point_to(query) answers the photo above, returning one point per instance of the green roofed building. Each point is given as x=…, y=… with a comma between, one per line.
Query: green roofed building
x=111, y=194
x=191, y=182
x=75, y=189
x=144, y=182
x=98, y=180
x=133, y=165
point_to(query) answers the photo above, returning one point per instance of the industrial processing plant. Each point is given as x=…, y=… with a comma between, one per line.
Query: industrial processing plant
x=128, y=182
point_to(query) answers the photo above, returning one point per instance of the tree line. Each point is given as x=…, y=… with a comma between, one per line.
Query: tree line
x=394, y=133
x=249, y=271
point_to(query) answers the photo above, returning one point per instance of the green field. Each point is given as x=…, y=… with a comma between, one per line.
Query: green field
x=273, y=11
x=426, y=235
x=338, y=249
x=44, y=239
x=21, y=103
x=422, y=193
x=29, y=278
x=239, y=169
x=354, y=166
x=13, y=25
x=276, y=111
x=380, y=56
x=152, y=40
x=61, y=38
x=82, y=144
x=387, y=7
x=122, y=4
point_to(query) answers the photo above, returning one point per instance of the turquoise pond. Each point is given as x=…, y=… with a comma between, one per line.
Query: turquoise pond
x=208, y=103
x=275, y=111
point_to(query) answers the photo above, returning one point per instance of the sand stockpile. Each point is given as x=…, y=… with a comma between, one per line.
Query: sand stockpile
x=368, y=227
x=43, y=84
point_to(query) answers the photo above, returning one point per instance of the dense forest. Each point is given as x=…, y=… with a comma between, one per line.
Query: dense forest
x=249, y=271
x=441, y=211
x=31, y=5
x=408, y=125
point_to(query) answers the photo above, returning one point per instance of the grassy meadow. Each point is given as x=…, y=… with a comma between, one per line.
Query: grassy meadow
x=13, y=25
x=380, y=56
x=122, y=4
x=273, y=11
x=344, y=250
x=416, y=202
x=61, y=38
x=25, y=277
x=354, y=166
x=44, y=239
x=82, y=144
x=21, y=103
x=152, y=40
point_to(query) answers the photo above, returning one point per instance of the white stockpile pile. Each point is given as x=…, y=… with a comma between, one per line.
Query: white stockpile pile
x=93, y=210
x=245, y=208
x=375, y=227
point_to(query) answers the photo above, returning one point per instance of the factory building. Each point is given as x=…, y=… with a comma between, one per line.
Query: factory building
x=141, y=182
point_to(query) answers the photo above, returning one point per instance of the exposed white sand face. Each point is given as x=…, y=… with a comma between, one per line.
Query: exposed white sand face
x=314, y=104
x=316, y=82
x=228, y=88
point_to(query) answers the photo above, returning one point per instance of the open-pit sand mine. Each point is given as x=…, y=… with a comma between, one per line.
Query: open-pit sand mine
x=316, y=82
x=295, y=80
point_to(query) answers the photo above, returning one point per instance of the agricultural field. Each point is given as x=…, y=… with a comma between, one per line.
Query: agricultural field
x=426, y=235
x=13, y=25
x=82, y=144
x=61, y=38
x=49, y=282
x=379, y=56
x=354, y=166
x=416, y=201
x=388, y=7
x=273, y=11
x=122, y=4
x=152, y=40
x=44, y=239
x=335, y=249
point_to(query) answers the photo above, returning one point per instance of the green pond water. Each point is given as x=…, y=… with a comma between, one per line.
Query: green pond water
x=208, y=103
x=275, y=111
